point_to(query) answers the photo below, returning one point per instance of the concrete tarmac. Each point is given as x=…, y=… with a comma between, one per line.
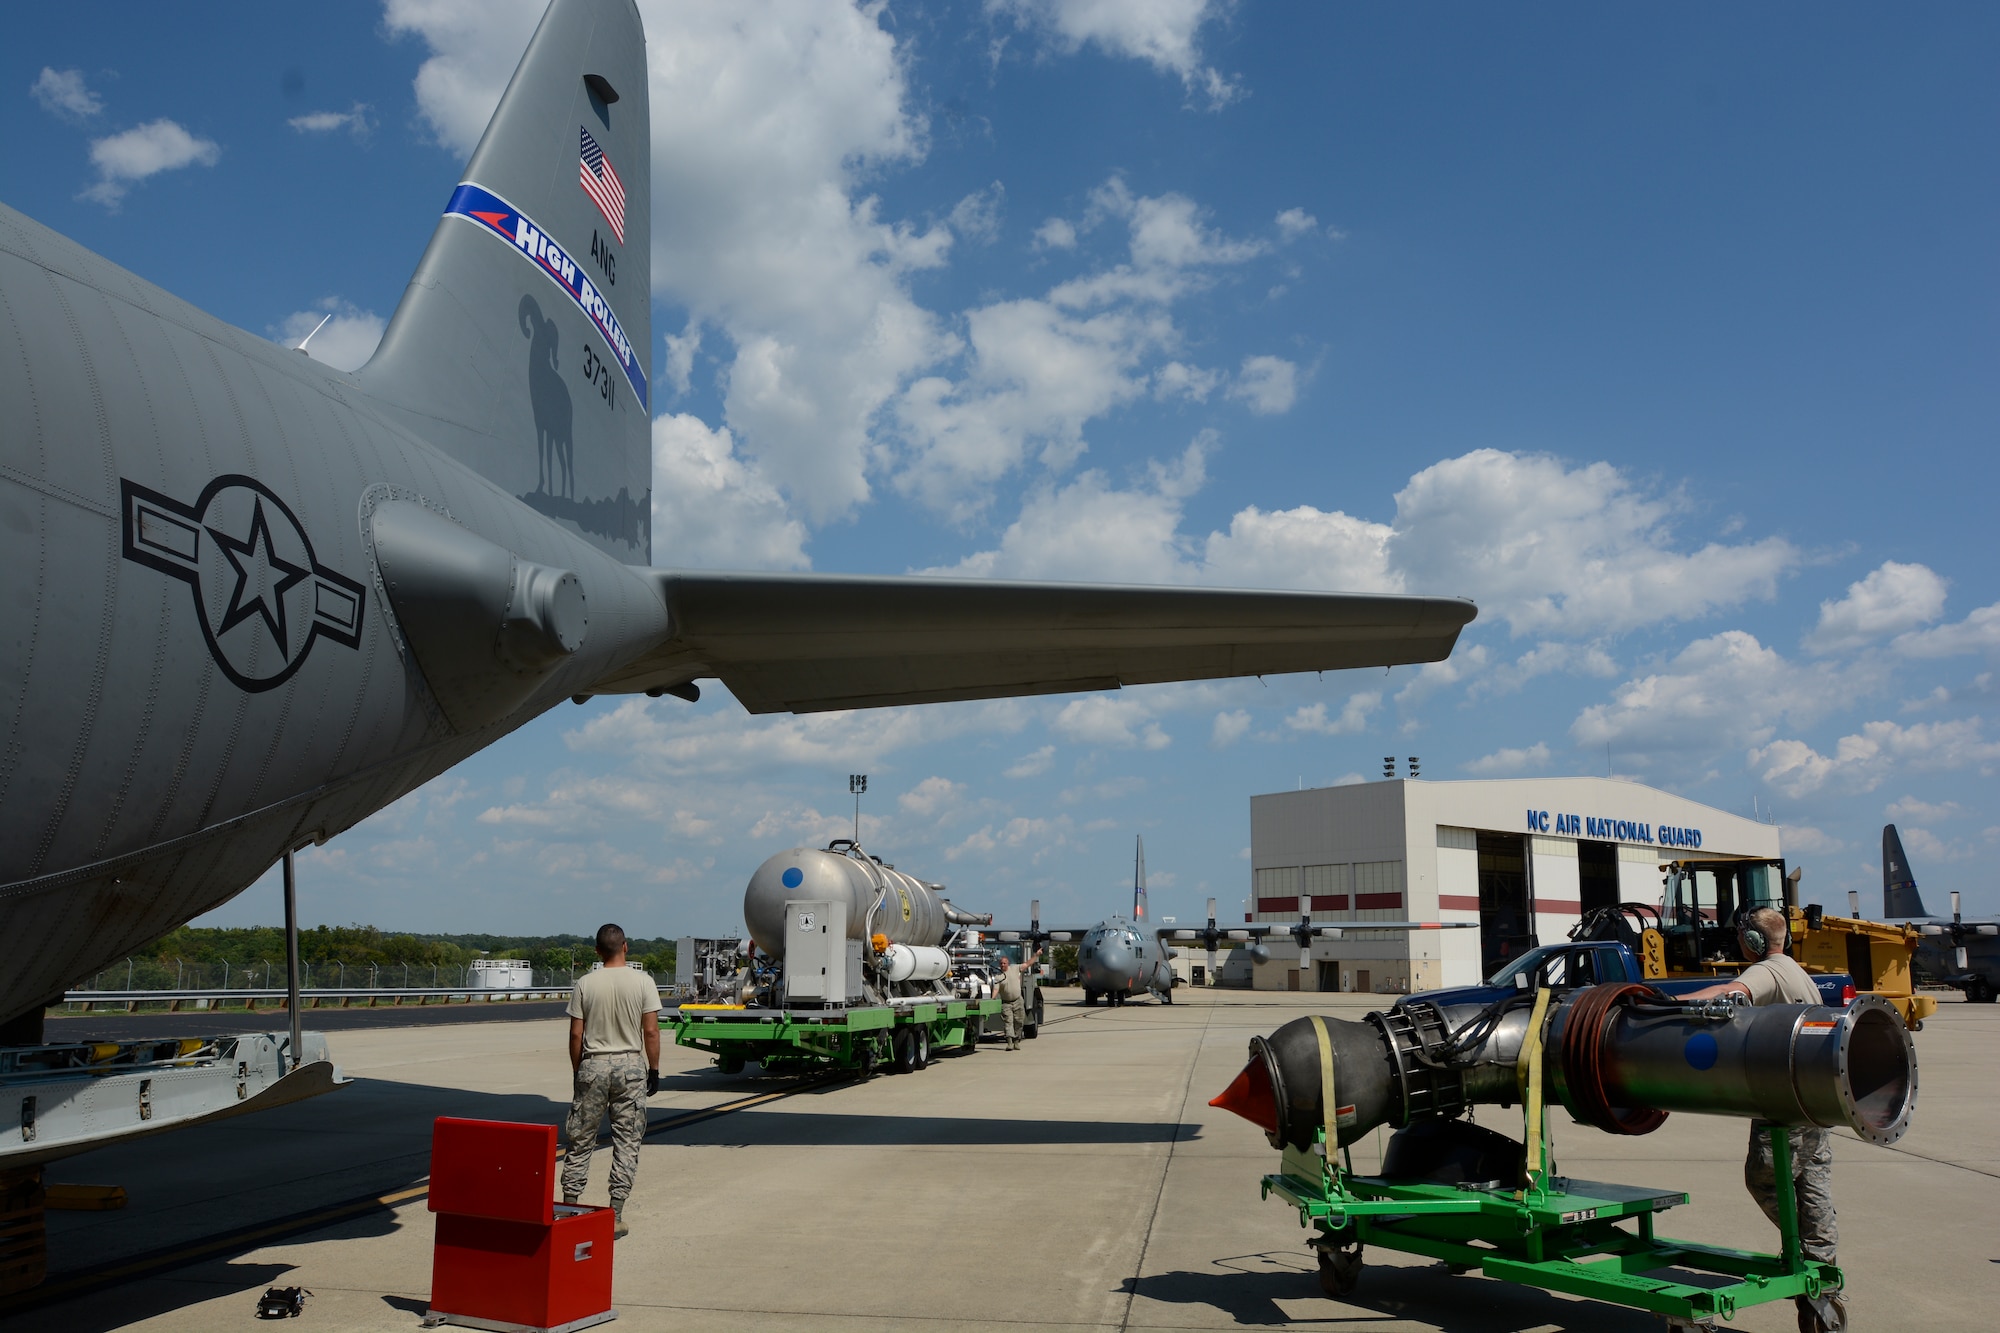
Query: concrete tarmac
x=1081, y=1183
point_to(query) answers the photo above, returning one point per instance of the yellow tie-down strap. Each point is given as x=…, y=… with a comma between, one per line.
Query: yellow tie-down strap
x=1529, y=1070
x=1329, y=1109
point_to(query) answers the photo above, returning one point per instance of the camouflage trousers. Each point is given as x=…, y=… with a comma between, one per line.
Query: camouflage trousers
x=614, y=1084
x=1015, y=1012
x=1812, y=1185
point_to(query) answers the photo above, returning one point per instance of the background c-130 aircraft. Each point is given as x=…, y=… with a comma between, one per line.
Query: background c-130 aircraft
x=255, y=599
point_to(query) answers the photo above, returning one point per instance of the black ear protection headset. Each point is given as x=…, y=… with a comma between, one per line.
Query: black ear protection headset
x=1754, y=941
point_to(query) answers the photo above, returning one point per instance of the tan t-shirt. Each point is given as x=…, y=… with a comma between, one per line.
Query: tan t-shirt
x=610, y=1002
x=1010, y=985
x=1779, y=980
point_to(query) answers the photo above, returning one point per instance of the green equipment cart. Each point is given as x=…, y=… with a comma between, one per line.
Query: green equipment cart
x=898, y=1037
x=1547, y=1230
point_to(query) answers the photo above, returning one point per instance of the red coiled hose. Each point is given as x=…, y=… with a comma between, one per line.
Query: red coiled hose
x=1583, y=1062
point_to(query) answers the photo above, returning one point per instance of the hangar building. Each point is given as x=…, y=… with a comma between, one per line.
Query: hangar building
x=1523, y=857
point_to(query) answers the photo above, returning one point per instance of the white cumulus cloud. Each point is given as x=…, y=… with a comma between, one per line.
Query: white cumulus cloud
x=1863, y=760
x=1571, y=550
x=933, y=796
x=358, y=120
x=1977, y=633
x=1893, y=598
x=1507, y=762
x=1230, y=727
x=1296, y=222
x=1353, y=717
x=1098, y=719
x=1165, y=34
x=64, y=93
x=713, y=509
x=1032, y=764
x=1909, y=807
x=1270, y=384
x=346, y=335
x=123, y=160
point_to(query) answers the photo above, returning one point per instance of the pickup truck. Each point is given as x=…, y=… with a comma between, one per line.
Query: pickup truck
x=1566, y=966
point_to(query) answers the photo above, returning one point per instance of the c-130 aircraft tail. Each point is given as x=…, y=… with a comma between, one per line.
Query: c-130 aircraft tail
x=522, y=345
x=257, y=599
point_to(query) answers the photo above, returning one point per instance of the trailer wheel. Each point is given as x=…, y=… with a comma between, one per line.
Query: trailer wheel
x=920, y=1047
x=1979, y=990
x=1033, y=1029
x=971, y=1042
x=730, y=1064
x=1339, y=1269
x=864, y=1061
x=904, y=1052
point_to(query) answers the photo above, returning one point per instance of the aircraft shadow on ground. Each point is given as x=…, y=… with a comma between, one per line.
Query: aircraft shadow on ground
x=754, y=1128
x=121, y=1306
x=330, y=1135
x=1249, y=1288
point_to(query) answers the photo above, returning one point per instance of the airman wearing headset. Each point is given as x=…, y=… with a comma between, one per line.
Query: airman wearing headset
x=1774, y=978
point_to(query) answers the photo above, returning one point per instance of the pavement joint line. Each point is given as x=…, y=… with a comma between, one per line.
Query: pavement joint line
x=883, y=1316
x=1937, y=1161
x=238, y=1239
x=1166, y=1170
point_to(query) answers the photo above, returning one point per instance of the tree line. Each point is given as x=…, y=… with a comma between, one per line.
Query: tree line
x=202, y=957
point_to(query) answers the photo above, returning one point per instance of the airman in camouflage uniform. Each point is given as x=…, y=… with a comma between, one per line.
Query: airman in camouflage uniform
x=614, y=1012
x=1774, y=978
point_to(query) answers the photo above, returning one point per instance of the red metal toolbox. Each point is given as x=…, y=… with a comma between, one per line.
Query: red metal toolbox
x=508, y=1257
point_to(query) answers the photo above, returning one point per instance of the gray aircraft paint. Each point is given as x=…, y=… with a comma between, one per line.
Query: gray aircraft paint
x=1980, y=977
x=1120, y=957
x=253, y=599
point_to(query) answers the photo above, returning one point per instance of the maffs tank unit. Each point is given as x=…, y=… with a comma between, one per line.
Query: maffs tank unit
x=854, y=964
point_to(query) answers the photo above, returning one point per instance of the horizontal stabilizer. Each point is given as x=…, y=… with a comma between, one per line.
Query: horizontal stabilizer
x=808, y=643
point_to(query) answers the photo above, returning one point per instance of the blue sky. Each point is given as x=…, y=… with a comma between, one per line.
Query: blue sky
x=1667, y=336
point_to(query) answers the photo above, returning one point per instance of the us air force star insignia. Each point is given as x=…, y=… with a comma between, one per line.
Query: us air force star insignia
x=261, y=596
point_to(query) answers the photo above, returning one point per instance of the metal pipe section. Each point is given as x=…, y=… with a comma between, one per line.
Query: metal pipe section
x=914, y=962
x=1790, y=1064
x=292, y=958
x=1618, y=1057
x=958, y=916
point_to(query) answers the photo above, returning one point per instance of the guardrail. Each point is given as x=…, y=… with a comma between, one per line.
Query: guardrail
x=275, y=998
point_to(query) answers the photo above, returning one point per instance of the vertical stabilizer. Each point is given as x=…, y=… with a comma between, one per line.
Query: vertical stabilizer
x=1900, y=898
x=1139, y=880
x=521, y=346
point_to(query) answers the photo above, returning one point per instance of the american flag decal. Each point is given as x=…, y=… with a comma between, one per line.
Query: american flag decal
x=600, y=181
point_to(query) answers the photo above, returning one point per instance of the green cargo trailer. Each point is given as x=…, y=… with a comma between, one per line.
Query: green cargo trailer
x=900, y=1037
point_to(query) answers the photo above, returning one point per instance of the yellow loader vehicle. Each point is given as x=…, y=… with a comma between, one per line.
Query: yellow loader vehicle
x=1692, y=932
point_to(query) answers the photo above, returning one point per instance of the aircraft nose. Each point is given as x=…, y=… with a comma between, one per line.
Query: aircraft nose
x=1115, y=957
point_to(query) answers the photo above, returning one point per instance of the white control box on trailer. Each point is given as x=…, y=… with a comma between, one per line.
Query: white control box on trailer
x=822, y=965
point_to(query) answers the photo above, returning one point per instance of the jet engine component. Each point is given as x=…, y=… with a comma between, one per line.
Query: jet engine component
x=1619, y=1057
x=914, y=962
x=881, y=900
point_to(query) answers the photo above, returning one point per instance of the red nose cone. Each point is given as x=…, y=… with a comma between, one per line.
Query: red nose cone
x=1250, y=1097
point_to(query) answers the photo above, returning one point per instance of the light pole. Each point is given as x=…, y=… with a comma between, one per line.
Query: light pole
x=857, y=783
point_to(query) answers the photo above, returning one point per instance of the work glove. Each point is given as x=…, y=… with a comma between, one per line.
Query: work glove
x=652, y=1081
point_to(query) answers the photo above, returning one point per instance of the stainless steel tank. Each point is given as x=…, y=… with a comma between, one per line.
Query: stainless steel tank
x=905, y=909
